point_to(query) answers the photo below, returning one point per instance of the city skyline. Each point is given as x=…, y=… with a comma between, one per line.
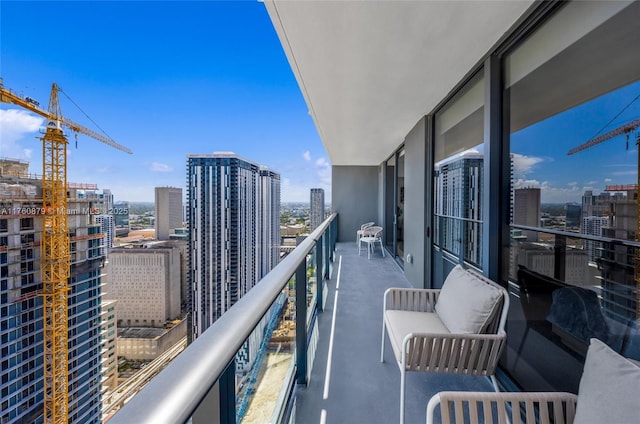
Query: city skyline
x=207, y=85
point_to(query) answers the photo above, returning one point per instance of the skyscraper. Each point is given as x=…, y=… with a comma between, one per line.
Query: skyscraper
x=317, y=207
x=234, y=231
x=21, y=225
x=168, y=211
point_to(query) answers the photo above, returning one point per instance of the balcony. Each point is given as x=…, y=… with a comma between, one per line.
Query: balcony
x=338, y=378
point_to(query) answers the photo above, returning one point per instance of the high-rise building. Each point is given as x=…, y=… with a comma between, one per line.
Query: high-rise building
x=526, y=209
x=108, y=228
x=21, y=319
x=168, y=208
x=234, y=231
x=458, y=203
x=317, y=208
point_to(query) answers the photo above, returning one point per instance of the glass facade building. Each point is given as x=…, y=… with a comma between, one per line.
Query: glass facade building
x=234, y=232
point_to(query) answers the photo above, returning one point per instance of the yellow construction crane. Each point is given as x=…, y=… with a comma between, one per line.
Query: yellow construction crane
x=625, y=129
x=54, y=247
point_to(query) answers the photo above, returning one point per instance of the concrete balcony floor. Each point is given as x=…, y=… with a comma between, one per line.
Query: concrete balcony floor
x=358, y=388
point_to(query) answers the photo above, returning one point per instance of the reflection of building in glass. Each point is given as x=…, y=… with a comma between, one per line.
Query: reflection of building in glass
x=234, y=235
x=616, y=261
x=542, y=258
x=458, y=200
x=572, y=214
x=317, y=208
x=593, y=225
x=526, y=209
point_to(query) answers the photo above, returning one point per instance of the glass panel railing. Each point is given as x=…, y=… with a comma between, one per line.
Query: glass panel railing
x=265, y=365
x=566, y=289
x=312, y=286
x=245, y=364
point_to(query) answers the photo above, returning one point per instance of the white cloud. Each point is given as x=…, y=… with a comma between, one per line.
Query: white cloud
x=15, y=125
x=523, y=165
x=607, y=180
x=624, y=173
x=322, y=163
x=298, y=179
x=573, y=184
x=160, y=167
x=307, y=155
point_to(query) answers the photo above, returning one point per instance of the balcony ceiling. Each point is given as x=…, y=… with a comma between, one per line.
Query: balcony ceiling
x=369, y=70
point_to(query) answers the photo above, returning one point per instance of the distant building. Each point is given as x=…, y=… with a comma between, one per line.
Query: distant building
x=593, y=225
x=526, y=209
x=234, y=235
x=120, y=214
x=108, y=227
x=146, y=344
x=21, y=320
x=168, y=211
x=145, y=279
x=109, y=334
x=317, y=208
x=573, y=216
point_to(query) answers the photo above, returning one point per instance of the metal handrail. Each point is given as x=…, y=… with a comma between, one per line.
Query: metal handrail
x=174, y=394
x=555, y=232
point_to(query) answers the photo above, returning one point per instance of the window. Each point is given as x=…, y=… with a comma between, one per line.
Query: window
x=574, y=209
x=458, y=174
x=26, y=224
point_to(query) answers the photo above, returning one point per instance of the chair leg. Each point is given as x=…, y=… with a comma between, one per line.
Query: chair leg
x=495, y=383
x=369, y=250
x=381, y=248
x=383, y=334
x=402, y=387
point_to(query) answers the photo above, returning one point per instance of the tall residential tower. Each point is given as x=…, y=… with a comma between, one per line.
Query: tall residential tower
x=234, y=231
x=317, y=208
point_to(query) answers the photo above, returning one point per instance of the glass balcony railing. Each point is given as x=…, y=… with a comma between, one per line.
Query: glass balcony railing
x=567, y=288
x=245, y=365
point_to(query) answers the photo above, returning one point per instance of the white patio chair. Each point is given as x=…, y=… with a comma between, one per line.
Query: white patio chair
x=371, y=236
x=607, y=394
x=458, y=329
x=362, y=229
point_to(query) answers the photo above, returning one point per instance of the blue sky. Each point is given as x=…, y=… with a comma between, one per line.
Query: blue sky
x=165, y=79
x=541, y=149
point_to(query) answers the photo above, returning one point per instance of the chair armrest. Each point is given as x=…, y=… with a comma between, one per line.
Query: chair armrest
x=417, y=300
x=468, y=354
x=557, y=407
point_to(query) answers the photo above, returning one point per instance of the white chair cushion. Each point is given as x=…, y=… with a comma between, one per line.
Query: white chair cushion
x=609, y=388
x=466, y=302
x=401, y=323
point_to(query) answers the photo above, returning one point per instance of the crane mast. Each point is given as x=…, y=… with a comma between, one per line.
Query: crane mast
x=55, y=265
x=55, y=256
